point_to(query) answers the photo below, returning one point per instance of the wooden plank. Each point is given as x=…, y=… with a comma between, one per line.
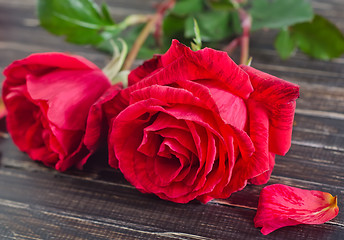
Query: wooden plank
x=315, y=162
x=310, y=121
x=76, y=207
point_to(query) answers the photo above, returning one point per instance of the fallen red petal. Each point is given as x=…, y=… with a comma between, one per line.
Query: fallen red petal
x=281, y=205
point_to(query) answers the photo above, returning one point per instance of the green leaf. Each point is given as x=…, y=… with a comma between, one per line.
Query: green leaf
x=279, y=13
x=285, y=44
x=187, y=7
x=236, y=23
x=197, y=41
x=81, y=21
x=319, y=39
x=214, y=26
x=223, y=4
x=173, y=26
x=106, y=13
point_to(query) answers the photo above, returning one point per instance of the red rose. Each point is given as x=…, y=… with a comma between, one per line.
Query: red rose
x=199, y=126
x=48, y=97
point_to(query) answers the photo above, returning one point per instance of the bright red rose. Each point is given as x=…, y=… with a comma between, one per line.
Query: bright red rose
x=197, y=125
x=48, y=97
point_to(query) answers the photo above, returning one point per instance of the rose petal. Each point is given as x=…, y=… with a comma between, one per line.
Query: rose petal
x=41, y=61
x=171, y=146
x=183, y=137
x=70, y=94
x=252, y=166
x=278, y=96
x=281, y=205
x=200, y=92
x=204, y=64
x=97, y=125
x=167, y=168
x=164, y=121
x=148, y=67
x=211, y=64
x=213, y=170
x=175, y=51
x=179, y=70
x=197, y=115
x=77, y=158
x=112, y=103
x=23, y=125
x=265, y=176
x=222, y=171
x=166, y=94
x=127, y=133
x=67, y=140
x=50, y=158
x=150, y=144
x=200, y=138
x=204, y=93
x=231, y=108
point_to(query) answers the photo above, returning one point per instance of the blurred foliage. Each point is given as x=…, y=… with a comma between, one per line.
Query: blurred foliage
x=219, y=22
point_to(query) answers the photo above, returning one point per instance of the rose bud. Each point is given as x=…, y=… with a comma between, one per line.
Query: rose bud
x=48, y=97
x=197, y=125
x=281, y=205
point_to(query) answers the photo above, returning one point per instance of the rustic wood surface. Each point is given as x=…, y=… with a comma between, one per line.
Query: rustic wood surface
x=40, y=203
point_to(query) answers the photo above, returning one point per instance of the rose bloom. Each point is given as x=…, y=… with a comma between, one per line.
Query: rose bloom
x=48, y=97
x=196, y=125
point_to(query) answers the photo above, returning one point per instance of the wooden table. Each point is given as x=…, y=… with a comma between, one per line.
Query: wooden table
x=40, y=203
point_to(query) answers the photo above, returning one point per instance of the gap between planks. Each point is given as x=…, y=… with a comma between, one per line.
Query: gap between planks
x=322, y=114
x=274, y=178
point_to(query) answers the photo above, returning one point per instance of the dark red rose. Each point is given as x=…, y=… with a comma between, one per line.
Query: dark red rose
x=50, y=99
x=196, y=125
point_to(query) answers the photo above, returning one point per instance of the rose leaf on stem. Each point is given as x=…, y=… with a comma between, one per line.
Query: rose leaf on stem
x=285, y=44
x=82, y=21
x=187, y=7
x=279, y=13
x=319, y=38
x=214, y=25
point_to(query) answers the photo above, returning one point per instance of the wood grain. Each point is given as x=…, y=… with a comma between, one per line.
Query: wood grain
x=37, y=202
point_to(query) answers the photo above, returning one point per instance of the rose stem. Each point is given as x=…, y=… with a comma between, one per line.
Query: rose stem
x=162, y=8
x=232, y=46
x=139, y=41
x=4, y=135
x=245, y=38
